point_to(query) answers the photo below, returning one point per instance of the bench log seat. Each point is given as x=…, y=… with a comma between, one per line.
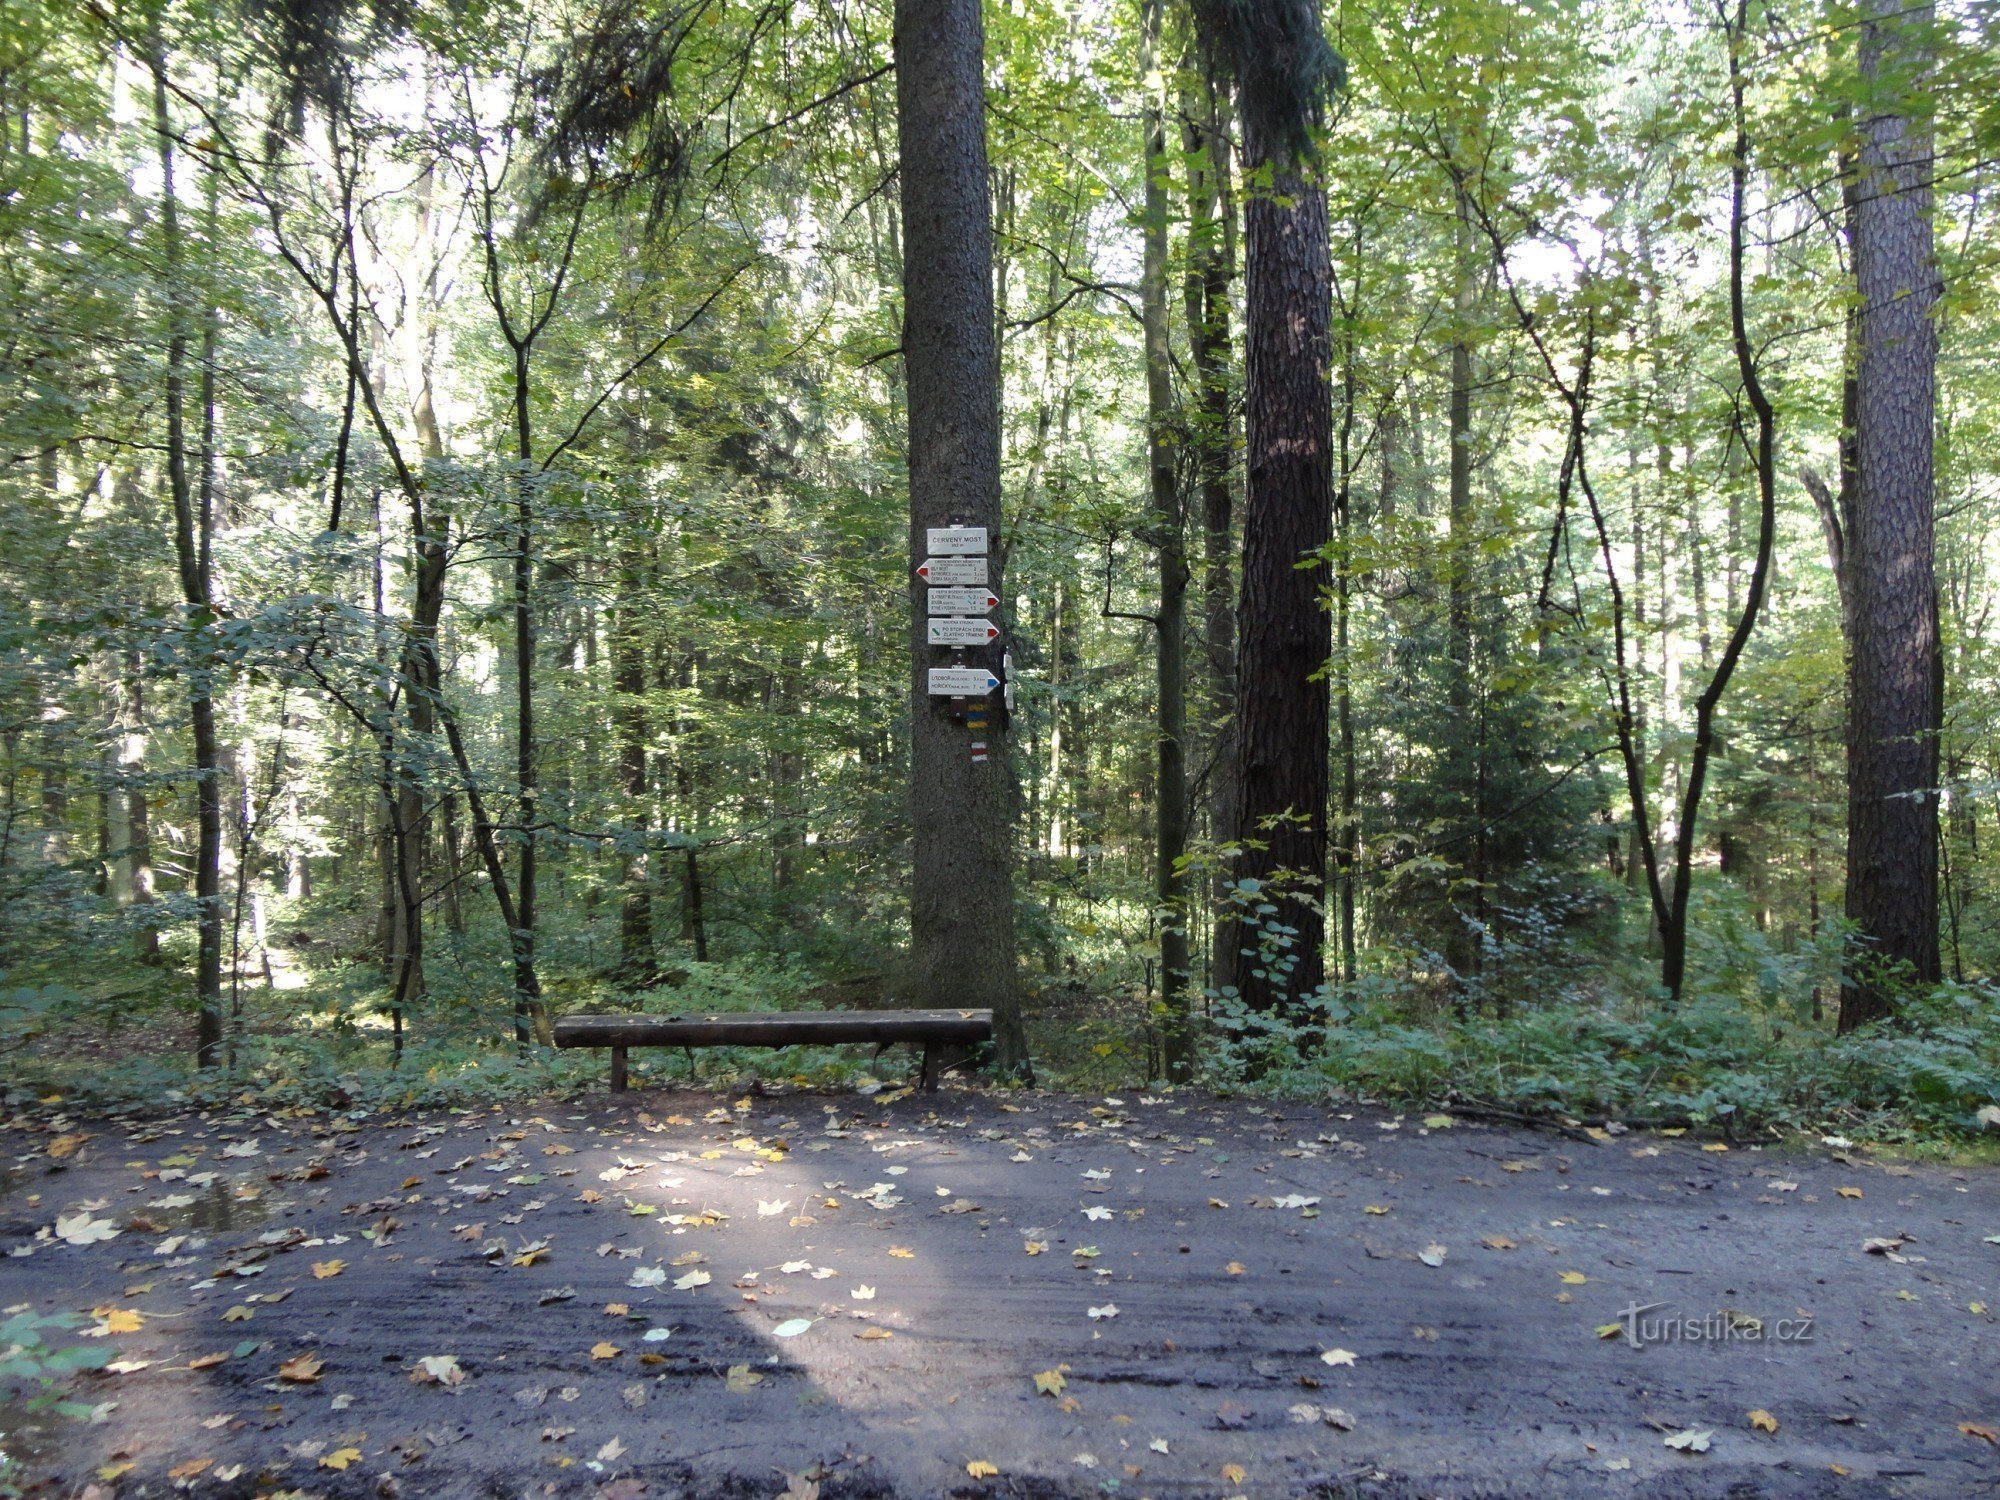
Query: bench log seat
x=930, y=1029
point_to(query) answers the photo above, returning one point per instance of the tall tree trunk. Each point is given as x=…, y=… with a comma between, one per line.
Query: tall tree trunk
x=1170, y=549
x=192, y=532
x=1467, y=944
x=1278, y=54
x=1211, y=259
x=527, y=984
x=963, y=810
x=1892, y=809
x=629, y=719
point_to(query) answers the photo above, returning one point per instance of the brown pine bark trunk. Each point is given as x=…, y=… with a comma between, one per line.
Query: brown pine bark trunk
x=1211, y=262
x=963, y=810
x=1170, y=550
x=192, y=532
x=1273, y=959
x=1893, y=692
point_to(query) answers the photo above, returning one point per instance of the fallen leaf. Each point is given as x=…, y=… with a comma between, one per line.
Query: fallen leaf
x=902, y=1253
x=189, y=1469
x=1432, y=1255
x=1235, y=1268
x=1234, y=1473
x=863, y=1294
x=1981, y=1431
x=1050, y=1383
x=875, y=1333
x=438, y=1369
x=1848, y=1192
x=603, y=1350
x=340, y=1458
x=237, y=1314
x=791, y=1328
x=1690, y=1441
x=979, y=1468
x=81, y=1229
x=1712, y=1146
x=1574, y=1278
x=692, y=1279
x=323, y=1269
x=741, y=1378
x=1337, y=1357
x=118, y=1320
x=1498, y=1242
x=611, y=1452
x=1099, y=1314
x=302, y=1369
x=1763, y=1421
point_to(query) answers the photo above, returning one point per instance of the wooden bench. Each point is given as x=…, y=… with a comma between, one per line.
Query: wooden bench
x=930, y=1029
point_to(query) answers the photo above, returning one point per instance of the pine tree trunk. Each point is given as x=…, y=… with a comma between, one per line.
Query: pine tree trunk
x=191, y=549
x=1283, y=703
x=963, y=811
x=1892, y=865
x=1170, y=549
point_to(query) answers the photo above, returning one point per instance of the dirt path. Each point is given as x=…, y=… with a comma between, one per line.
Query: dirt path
x=691, y=1295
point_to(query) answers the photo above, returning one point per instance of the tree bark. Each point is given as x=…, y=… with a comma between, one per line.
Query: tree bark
x=1170, y=551
x=1210, y=268
x=1892, y=809
x=1274, y=959
x=192, y=530
x=963, y=811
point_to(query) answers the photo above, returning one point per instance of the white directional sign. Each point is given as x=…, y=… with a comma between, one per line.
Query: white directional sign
x=958, y=632
x=961, y=682
x=962, y=601
x=957, y=540
x=953, y=570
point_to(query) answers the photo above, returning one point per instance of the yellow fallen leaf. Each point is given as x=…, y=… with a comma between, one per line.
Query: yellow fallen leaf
x=1235, y=1268
x=340, y=1458
x=1976, y=1307
x=1610, y=1330
x=1376, y=1208
x=979, y=1468
x=115, y=1471
x=121, y=1319
x=1574, y=1278
x=1050, y=1383
x=903, y=1253
x=302, y=1369
x=1234, y=1473
x=1715, y=1146
x=875, y=1333
x=1675, y=1132
x=1497, y=1242
x=590, y=1195
x=237, y=1314
x=66, y=1145
x=322, y=1269
x=1848, y=1192
x=1763, y=1421
x=603, y=1351
x=616, y=1309
x=1036, y=1247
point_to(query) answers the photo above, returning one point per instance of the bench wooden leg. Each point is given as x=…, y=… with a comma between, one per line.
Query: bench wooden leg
x=618, y=1070
x=930, y=1076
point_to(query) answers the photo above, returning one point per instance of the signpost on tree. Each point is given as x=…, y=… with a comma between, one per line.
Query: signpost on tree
x=963, y=799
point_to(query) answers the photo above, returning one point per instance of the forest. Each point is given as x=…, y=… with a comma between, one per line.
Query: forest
x=1490, y=503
